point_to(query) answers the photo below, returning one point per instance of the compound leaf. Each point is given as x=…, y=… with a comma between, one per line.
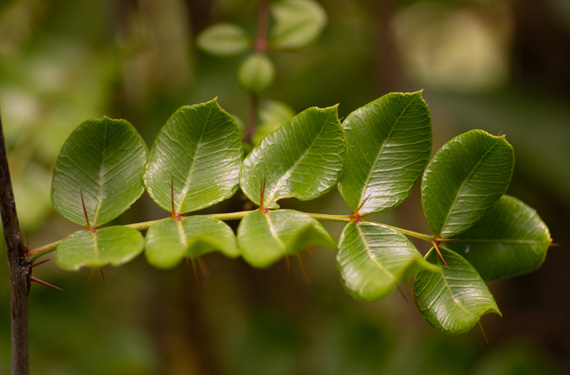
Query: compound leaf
x=168, y=241
x=372, y=259
x=388, y=145
x=198, y=154
x=264, y=238
x=510, y=240
x=464, y=180
x=103, y=160
x=454, y=300
x=112, y=245
x=302, y=159
x=297, y=23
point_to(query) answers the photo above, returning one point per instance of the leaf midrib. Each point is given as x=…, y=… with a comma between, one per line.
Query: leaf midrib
x=379, y=154
x=370, y=255
x=289, y=171
x=462, y=186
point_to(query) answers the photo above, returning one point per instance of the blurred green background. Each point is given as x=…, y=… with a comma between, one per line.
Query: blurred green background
x=499, y=65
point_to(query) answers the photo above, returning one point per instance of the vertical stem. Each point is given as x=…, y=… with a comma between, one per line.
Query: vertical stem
x=18, y=265
x=260, y=47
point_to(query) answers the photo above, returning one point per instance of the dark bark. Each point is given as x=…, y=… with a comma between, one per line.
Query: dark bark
x=18, y=265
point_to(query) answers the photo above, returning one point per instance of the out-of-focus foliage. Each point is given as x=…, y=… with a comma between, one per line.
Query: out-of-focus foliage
x=501, y=66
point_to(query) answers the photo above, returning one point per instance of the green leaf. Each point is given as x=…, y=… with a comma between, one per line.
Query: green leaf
x=168, y=241
x=298, y=23
x=372, y=259
x=256, y=73
x=454, y=300
x=464, y=180
x=508, y=241
x=272, y=115
x=199, y=149
x=388, y=145
x=224, y=39
x=264, y=238
x=112, y=245
x=103, y=160
x=302, y=159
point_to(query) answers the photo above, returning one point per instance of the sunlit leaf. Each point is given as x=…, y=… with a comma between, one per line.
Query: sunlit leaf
x=298, y=23
x=104, y=161
x=224, y=39
x=509, y=240
x=454, y=300
x=264, y=238
x=112, y=245
x=168, y=241
x=388, y=145
x=372, y=259
x=464, y=180
x=302, y=159
x=199, y=150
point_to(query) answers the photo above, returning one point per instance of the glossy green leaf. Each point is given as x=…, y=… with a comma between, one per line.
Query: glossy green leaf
x=168, y=241
x=454, y=300
x=224, y=39
x=302, y=159
x=372, y=259
x=510, y=240
x=112, y=245
x=388, y=144
x=199, y=149
x=256, y=73
x=264, y=238
x=298, y=23
x=464, y=180
x=103, y=159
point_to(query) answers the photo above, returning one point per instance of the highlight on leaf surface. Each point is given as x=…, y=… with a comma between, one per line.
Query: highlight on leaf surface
x=454, y=300
x=302, y=159
x=464, y=180
x=510, y=240
x=103, y=160
x=198, y=154
x=264, y=238
x=112, y=245
x=372, y=259
x=298, y=23
x=388, y=146
x=168, y=241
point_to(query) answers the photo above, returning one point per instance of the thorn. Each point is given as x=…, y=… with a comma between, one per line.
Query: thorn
x=175, y=216
x=402, y=293
x=483, y=332
x=289, y=270
x=434, y=243
x=438, y=239
x=89, y=228
x=500, y=132
x=355, y=216
x=303, y=269
x=262, y=196
x=40, y=263
x=27, y=240
x=554, y=244
x=35, y=279
x=412, y=293
x=203, y=267
x=198, y=281
x=312, y=250
x=102, y=275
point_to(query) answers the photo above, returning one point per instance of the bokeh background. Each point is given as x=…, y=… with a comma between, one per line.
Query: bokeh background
x=498, y=65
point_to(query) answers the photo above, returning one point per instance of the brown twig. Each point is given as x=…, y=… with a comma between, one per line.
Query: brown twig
x=18, y=265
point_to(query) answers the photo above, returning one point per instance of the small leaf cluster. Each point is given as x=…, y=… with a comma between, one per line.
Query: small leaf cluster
x=296, y=24
x=374, y=157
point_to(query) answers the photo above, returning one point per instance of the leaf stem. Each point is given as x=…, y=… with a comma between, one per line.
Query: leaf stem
x=34, y=254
